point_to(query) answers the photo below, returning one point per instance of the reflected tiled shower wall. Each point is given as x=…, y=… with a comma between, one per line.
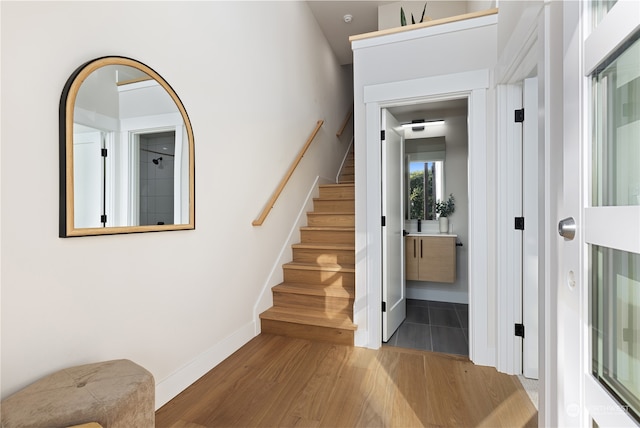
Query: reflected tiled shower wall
x=156, y=178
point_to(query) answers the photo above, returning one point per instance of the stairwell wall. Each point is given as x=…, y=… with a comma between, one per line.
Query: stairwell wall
x=254, y=78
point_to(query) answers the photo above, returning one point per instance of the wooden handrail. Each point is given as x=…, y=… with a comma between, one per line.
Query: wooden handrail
x=344, y=124
x=285, y=179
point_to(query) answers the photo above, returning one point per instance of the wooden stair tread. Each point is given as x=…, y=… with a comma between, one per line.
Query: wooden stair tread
x=315, y=299
x=330, y=213
x=334, y=199
x=327, y=267
x=315, y=290
x=336, y=185
x=330, y=228
x=308, y=317
x=324, y=246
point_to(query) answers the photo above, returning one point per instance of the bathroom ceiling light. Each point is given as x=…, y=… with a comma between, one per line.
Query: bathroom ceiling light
x=416, y=125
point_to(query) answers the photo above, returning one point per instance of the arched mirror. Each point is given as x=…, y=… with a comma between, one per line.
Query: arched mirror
x=126, y=152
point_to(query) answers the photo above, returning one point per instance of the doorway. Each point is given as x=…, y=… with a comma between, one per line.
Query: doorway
x=156, y=165
x=474, y=86
x=434, y=164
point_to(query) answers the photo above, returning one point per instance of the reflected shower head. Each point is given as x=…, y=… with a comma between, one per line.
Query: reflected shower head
x=157, y=160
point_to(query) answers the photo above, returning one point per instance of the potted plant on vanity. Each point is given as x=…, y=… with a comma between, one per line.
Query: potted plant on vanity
x=444, y=209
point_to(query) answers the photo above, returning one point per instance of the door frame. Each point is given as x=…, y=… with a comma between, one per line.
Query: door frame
x=474, y=86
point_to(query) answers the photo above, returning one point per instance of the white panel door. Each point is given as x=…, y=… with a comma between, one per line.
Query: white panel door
x=87, y=178
x=393, y=287
x=599, y=287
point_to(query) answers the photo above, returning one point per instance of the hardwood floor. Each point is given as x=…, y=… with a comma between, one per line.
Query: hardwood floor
x=275, y=381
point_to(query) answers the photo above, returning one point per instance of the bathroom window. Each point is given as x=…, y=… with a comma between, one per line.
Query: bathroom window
x=425, y=188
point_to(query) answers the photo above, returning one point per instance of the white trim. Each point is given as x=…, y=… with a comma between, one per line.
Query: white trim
x=178, y=381
x=616, y=27
x=425, y=293
x=437, y=87
x=481, y=350
x=421, y=33
x=344, y=160
x=617, y=234
x=147, y=124
x=599, y=403
x=531, y=210
x=520, y=55
x=95, y=120
x=474, y=86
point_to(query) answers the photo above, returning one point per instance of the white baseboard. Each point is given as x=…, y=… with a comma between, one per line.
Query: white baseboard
x=452, y=296
x=178, y=381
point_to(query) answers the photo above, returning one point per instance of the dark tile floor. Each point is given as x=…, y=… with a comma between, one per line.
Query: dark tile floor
x=434, y=326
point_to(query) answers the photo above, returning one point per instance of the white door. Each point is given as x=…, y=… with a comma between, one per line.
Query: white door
x=599, y=280
x=393, y=288
x=88, y=177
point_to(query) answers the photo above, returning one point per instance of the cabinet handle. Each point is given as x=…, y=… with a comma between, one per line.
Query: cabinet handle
x=421, y=248
x=414, y=248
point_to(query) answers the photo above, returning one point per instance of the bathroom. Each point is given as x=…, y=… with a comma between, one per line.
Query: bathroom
x=437, y=312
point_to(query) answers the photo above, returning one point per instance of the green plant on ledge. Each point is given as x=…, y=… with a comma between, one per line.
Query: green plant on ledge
x=403, y=18
x=446, y=208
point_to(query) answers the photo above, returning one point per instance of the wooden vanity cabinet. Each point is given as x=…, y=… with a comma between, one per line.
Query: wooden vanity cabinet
x=430, y=258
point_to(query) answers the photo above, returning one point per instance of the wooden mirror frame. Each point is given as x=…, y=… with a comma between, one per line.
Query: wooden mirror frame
x=67, y=104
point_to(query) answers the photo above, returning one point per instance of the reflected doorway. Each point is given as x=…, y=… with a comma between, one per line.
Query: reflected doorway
x=156, y=184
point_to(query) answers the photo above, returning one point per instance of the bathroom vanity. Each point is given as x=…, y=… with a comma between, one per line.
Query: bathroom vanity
x=430, y=257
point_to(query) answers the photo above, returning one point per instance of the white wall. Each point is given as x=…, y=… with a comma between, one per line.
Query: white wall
x=389, y=14
x=174, y=302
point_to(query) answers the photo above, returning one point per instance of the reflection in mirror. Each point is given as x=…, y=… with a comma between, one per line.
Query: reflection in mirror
x=425, y=179
x=127, y=160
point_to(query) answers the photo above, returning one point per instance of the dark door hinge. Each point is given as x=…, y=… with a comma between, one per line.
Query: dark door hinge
x=382, y=135
x=519, y=115
x=384, y=306
x=519, y=330
x=103, y=218
x=519, y=223
x=103, y=153
x=384, y=220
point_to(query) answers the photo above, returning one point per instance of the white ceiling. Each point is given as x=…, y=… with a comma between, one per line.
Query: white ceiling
x=329, y=15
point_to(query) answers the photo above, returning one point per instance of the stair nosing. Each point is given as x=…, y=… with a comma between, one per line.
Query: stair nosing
x=315, y=290
x=330, y=228
x=327, y=267
x=323, y=246
x=331, y=213
x=334, y=185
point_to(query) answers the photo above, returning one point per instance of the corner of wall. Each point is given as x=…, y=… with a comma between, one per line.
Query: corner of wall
x=178, y=381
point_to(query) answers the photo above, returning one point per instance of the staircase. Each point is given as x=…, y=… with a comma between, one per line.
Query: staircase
x=315, y=301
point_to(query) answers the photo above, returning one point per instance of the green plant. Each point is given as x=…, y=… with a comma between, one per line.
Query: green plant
x=446, y=208
x=403, y=18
